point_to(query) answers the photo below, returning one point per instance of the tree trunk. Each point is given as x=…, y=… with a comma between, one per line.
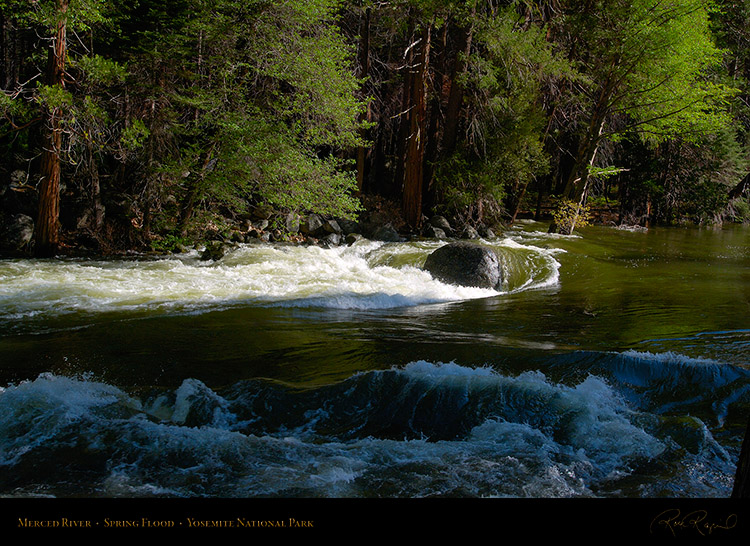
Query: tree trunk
x=439, y=61
x=576, y=188
x=96, y=190
x=456, y=94
x=515, y=202
x=404, y=116
x=740, y=188
x=47, y=225
x=411, y=205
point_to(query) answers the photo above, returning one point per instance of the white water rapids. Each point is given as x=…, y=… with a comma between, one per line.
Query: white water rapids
x=366, y=275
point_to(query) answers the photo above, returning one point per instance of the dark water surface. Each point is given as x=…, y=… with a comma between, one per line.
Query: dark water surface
x=613, y=364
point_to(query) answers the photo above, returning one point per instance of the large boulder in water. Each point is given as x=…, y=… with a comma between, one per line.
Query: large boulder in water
x=465, y=264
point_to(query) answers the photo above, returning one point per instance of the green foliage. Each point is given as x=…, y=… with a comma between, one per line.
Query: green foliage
x=604, y=172
x=738, y=210
x=464, y=183
x=503, y=150
x=651, y=62
x=268, y=108
x=80, y=15
x=101, y=71
x=260, y=160
x=568, y=215
x=54, y=96
x=170, y=243
x=134, y=135
x=197, y=106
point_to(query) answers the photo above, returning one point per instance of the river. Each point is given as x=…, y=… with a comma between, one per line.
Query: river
x=613, y=363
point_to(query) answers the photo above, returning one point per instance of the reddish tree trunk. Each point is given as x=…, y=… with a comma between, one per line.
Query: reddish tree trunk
x=47, y=226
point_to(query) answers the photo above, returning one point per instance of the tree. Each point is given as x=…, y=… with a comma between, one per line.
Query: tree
x=646, y=66
x=47, y=229
x=59, y=18
x=265, y=106
x=500, y=81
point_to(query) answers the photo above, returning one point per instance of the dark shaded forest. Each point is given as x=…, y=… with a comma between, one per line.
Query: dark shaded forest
x=148, y=125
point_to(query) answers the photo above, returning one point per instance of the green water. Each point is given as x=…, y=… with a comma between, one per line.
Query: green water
x=623, y=289
x=668, y=289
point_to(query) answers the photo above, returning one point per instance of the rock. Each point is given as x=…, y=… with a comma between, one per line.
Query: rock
x=332, y=239
x=486, y=232
x=348, y=226
x=352, y=238
x=214, y=250
x=262, y=212
x=237, y=237
x=213, y=234
x=441, y=223
x=252, y=234
x=17, y=232
x=275, y=236
x=261, y=225
x=332, y=226
x=292, y=223
x=433, y=232
x=311, y=225
x=386, y=233
x=465, y=264
x=469, y=233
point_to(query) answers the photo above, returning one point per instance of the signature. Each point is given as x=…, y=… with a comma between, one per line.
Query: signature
x=697, y=520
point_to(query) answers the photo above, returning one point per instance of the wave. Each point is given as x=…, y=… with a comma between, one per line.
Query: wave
x=425, y=429
x=668, y=382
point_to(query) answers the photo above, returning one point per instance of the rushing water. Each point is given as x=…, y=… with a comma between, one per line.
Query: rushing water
x=612, y=364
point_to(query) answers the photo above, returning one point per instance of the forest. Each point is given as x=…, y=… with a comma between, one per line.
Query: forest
x=150, y=124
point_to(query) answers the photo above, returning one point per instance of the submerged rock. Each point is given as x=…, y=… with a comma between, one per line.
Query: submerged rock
x=332, y=239
x=214, y=250
x=465, y=264
x=352, y=238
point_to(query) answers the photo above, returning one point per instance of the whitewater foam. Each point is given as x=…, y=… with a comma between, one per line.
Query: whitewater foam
x=366, y=275
x=526, y=436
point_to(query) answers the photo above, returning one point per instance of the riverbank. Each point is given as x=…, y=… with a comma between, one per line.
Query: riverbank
x=214, y=234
